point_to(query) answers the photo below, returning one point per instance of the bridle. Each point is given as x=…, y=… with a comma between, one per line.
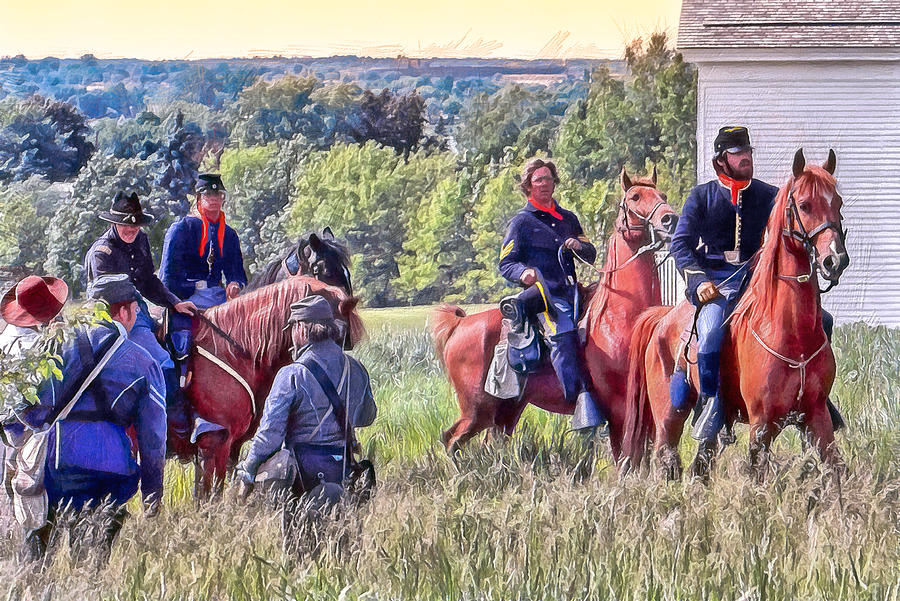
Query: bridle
x=655, y=242
x=796, y=231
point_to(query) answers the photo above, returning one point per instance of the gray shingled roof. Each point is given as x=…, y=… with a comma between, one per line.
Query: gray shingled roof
x=789, y=23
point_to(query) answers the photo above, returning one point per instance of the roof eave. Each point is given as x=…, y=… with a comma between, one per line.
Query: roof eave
x=795, y=53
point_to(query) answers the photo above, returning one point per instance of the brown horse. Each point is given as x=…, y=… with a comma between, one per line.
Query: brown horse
x=777, y=365
x=630, y=284
x=234, y=361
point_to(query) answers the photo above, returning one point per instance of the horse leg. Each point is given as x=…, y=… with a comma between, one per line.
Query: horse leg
x=704, y=459
x=507, y=415
x=667, y=456
x=819, y=432
x=210, y=448
x=761, y=436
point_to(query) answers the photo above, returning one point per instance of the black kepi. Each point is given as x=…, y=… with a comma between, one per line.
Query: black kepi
x=209, y=182
x=732, y=139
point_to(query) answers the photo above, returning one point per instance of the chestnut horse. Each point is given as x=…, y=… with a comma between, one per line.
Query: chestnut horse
x=233, y=365
x=777, y=364
x=629, y=284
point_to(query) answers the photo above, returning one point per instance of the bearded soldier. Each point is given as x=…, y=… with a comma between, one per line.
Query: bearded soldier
x=721, y=228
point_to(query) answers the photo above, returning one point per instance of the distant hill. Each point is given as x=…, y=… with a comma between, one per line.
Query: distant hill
x=122, y=87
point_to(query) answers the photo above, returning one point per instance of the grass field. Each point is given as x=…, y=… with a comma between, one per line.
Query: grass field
x=536, y=517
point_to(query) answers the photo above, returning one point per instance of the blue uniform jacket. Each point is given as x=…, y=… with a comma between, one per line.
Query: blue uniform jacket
x=129, y=391
x=533, y=238
x=706, y=229
x=109, y=254
x=182, y=264
x=296, y=405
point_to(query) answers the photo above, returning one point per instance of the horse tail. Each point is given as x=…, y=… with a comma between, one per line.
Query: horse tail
x=444, y=320
x=638, y=417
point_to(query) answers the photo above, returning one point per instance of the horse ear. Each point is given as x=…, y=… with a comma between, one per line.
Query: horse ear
x=347, y=305
x=327, y=234
x=830, y=162
x=653, y=175
x=626, y=181
x=315, y=242
x=799, y=162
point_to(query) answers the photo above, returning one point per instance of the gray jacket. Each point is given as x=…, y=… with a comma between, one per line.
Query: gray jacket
x=297, y=410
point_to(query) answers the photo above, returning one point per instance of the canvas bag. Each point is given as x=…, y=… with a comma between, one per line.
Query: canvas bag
x=30, y=504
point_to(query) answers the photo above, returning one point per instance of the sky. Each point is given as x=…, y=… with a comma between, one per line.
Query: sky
x=173, y=29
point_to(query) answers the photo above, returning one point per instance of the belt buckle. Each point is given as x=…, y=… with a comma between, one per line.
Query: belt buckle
x=733, y=256
x=200, y=285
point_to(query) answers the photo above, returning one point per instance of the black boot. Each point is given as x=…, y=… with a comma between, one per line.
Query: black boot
x=177, y=408
x=711, y=420
x=34, y=547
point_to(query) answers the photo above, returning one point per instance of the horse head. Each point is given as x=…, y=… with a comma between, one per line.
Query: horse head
x=644, y=213
x=812, y=216
x=326, y=259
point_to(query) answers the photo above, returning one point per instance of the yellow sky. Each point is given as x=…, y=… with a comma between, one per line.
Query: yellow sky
x=157, y=29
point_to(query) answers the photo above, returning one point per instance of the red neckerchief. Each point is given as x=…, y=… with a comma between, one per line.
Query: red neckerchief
x=552, y=210
x=735, y=185
x=205, y=235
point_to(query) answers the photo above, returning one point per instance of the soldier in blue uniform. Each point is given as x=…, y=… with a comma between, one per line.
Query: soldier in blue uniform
x=199, y=250
x=125, y=248
x=89, y=458
x=529, y=257
x=314, y=403
x=720, y=229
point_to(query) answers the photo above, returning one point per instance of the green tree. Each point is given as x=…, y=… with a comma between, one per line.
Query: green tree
x=259, y=180
x=437, y=252
x=367, y=194
x=514, y=116
x=647, y=118
x=25, y=212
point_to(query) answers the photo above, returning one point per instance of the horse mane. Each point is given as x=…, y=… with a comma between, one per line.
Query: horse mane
x=257, y=320
x=758, y=303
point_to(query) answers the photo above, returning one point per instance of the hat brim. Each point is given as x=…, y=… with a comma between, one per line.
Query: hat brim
x=14, y=314
x=145, y=219
x=738, y=149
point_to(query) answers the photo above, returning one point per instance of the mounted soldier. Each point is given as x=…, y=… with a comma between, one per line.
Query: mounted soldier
x=75, y=451
x=720, y=230
x=536, y=253
x=198, y=252
x=125, y=248
x=314, y=405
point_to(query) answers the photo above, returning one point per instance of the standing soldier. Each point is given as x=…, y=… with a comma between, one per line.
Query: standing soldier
x=198, y=251
x=314, y=403
x=721, y=228
x=109, y=384
x=125, y=248
x=530, y=257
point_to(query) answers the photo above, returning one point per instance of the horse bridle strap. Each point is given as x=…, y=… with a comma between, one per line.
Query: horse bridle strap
x=807, y=239
x=792, y=363
x=231, y=372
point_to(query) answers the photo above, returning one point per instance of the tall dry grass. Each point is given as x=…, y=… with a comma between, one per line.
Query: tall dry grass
x=539, y=516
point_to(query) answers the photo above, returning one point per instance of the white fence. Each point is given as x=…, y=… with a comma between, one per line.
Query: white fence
x=671, y=283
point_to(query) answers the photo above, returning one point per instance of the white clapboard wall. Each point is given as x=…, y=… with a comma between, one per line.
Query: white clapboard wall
x=852, y=106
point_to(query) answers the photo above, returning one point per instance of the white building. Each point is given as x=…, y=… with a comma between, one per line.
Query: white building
x=818, y=75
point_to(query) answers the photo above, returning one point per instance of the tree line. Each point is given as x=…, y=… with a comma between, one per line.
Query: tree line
x=419, y=184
